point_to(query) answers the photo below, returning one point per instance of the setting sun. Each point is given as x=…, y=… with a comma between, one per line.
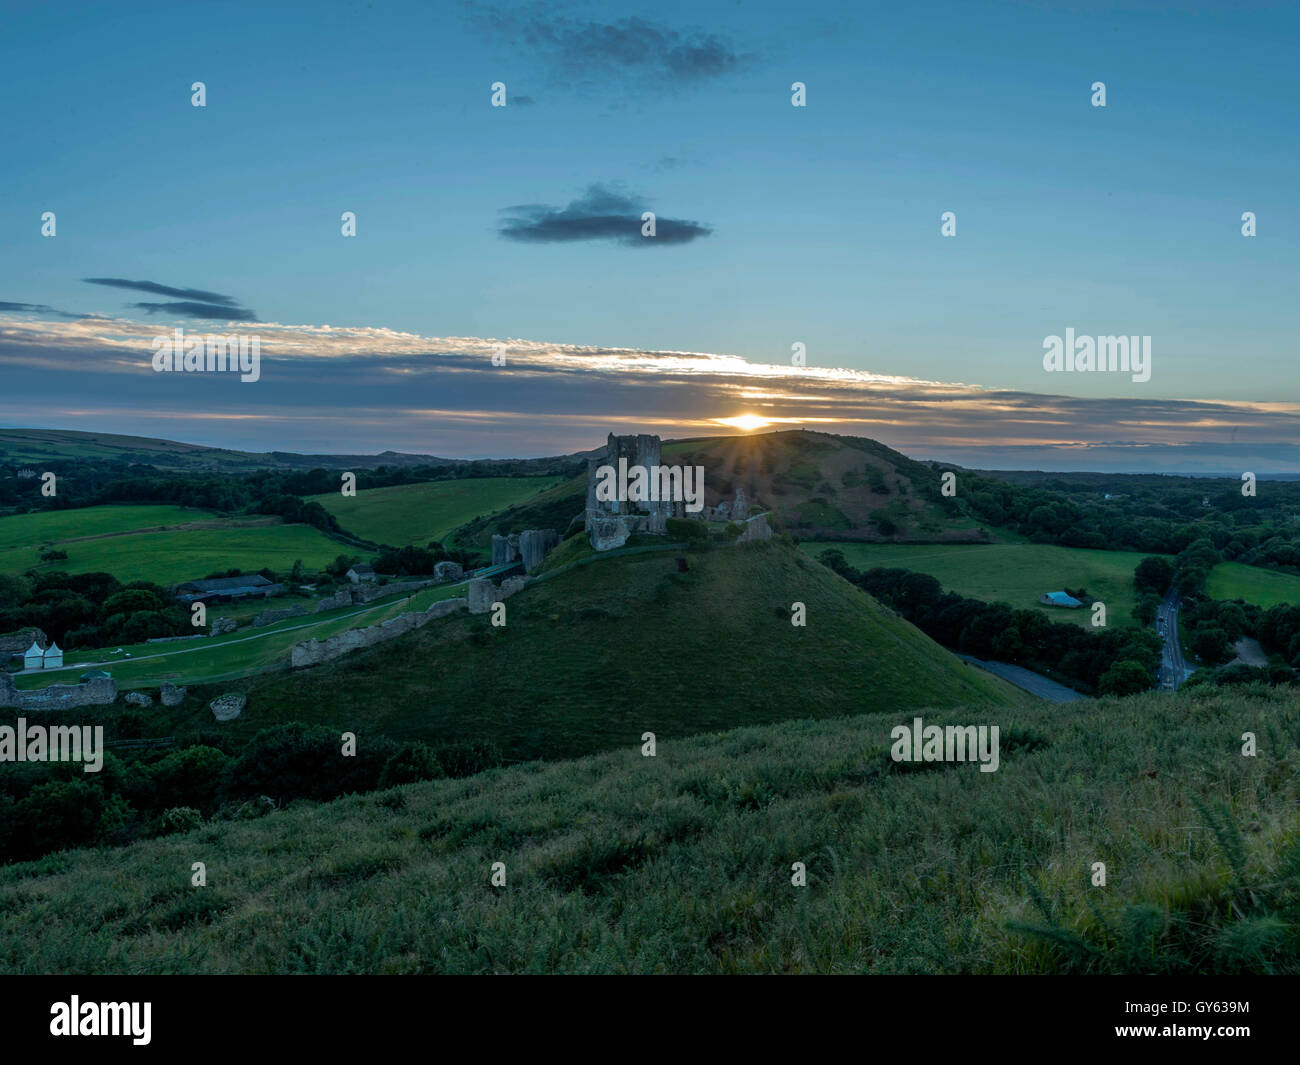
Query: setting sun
x=745, y=421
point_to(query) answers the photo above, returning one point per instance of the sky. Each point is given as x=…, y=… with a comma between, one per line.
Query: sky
x=776, y=225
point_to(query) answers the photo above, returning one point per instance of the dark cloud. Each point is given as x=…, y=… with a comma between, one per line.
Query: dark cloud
x=189, y=302
x=42, y=308
x=601, y=214
x=629, y=47
x=190, y=309
x=155, y=289
x=26, y=308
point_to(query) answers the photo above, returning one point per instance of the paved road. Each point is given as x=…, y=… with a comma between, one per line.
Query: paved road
x=1034, y=683
x=1173, y=666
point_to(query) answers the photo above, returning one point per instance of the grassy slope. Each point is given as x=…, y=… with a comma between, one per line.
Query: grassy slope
x=1263, y=587
x=681, y=863
x=158, y=543
x=553, y=508
x=417, y=513
x=245, y=651
x=817, y=483
x=594, y=657
x=1012, y=573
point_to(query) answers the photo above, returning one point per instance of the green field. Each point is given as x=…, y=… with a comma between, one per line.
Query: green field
x=1011, y=573
x=606, y=651
x=163, y=544
x=681, y=863
x=417, y=513
x=1263, y=587
x=235, y=654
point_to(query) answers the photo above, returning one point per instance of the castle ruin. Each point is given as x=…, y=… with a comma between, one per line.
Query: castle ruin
x=609, y=522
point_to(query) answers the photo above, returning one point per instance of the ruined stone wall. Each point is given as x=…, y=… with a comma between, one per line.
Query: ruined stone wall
x=534, y=544
x=483, y=593
x=313, y=652
x=270, y=617
x=98, y=692
x=337, y=601
x=447, y=571
x=756, y=528
x=504, y=548
x=364, y=593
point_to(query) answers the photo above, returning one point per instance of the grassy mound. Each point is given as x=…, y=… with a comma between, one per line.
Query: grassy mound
x=598, y=654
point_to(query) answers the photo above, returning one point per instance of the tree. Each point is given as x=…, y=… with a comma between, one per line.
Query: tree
x=1125, y=677
x=1210, y=645
x=1153, y=574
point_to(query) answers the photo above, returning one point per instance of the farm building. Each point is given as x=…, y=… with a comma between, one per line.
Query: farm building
x=221, y=589
x=1058, y=599
x=360, y=573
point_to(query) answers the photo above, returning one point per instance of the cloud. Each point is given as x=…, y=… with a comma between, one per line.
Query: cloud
x=189, y=309
x=155, y=289
x=25, y=308
x=602, y=213
x=42, y=308
x=633, y=48
x=442, y=395
x=186, y=303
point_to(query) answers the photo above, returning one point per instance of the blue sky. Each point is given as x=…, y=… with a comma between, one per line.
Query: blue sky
x=816, y=224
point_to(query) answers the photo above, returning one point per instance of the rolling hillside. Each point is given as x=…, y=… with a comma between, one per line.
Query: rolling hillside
x=682, y=862
x=1011, y=573
x=163, y=544
x=1263, y=587
x=418, y=513
x=34, y=445
x=596, y=656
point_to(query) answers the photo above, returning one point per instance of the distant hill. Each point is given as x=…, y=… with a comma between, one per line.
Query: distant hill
x=33, y=445
x=682, y=863
x=823, y=485
x=815, y=485
x=591, y=658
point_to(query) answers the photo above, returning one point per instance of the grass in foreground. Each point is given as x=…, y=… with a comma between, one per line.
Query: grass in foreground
x=681, y=862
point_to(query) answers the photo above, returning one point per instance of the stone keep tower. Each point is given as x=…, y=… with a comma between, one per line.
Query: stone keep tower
x=610, y=522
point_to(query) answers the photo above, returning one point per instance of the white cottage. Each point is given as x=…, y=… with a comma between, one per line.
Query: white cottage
x=54, y=657
x=34, y=657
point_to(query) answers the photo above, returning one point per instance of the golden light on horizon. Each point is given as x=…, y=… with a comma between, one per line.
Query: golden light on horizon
x=745, y=421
